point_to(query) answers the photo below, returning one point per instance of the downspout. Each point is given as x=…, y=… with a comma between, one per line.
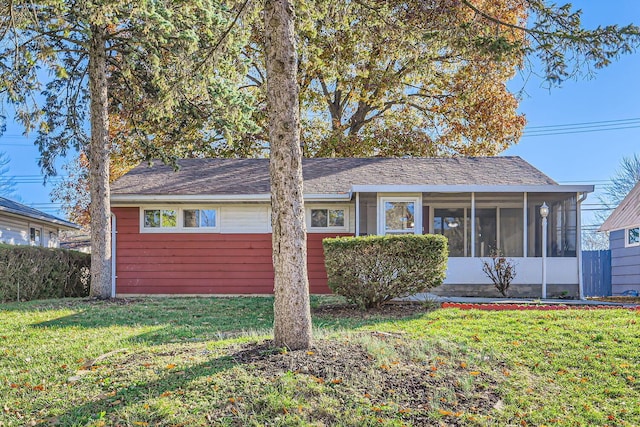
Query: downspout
x=579, y=244
x=113, y=255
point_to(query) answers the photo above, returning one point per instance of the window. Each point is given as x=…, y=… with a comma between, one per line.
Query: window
x=174, y=220
x=160, y=218
x=35, y=236
x=53, y=239
x=633, y=236
x=199, y=218
x=323, y=218
x=398, y=215
x=327, y=218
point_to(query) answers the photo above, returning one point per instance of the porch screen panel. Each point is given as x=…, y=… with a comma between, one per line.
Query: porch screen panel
x=450, y=223
x=486, y=231
x=511, y=233
x=562, y=229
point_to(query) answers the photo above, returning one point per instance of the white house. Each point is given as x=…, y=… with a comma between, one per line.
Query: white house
x=23, y=225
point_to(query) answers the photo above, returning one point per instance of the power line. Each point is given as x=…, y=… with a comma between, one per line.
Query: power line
x=585, y=123
x=579, y=131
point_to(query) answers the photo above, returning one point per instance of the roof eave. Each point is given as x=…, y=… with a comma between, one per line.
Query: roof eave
x=58, y=222
x=120, y=199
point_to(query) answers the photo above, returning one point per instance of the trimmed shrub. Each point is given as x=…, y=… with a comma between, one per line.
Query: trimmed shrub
x=369, y=271
x=31, y=272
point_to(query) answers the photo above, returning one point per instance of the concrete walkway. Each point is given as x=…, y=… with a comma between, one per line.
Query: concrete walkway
x=474, y=300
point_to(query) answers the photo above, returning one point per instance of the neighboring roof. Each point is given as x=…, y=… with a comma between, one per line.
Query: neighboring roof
x=627, y=214
x=15, y=208
x=326, y=175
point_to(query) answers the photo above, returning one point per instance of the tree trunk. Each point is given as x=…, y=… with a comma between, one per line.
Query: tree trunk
x=292, y=316
x=98, y=155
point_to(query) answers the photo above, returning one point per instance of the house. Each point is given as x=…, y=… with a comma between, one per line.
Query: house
x=23, y=225
x=205, y=229
x=623, y=226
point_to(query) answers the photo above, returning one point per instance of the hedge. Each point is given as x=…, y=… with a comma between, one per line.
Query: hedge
x=372, y=270
x=31, y=272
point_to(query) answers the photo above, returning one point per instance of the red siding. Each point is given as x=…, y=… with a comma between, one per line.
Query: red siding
x=206, y=263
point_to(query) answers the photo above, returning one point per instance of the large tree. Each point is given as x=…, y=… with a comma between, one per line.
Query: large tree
x=427, y=78
x=145, y=52
x=292, y=324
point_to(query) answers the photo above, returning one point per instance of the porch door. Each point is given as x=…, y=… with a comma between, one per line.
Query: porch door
x=400, y=215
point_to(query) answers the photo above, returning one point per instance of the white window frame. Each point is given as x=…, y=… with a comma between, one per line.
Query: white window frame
x=417, y=212
x=626, y=237
x=41, y=230
x=344, y=228
x=180, y=228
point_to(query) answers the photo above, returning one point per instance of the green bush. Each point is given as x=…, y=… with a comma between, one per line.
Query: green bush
x=372, y=270
x=30, y=272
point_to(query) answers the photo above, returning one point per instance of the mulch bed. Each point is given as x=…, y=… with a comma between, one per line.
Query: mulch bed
x=409, y=385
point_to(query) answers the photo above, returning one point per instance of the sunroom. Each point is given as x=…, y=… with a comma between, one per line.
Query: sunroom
x=480, y=221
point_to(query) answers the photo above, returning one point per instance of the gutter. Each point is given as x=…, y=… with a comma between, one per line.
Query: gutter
x=121, y=199
x=464, y=188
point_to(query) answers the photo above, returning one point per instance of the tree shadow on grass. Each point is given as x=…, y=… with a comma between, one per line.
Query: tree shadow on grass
x=200, y=319
x=172, y=382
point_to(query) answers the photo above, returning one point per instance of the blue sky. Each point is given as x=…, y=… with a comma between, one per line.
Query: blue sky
x=590, y=156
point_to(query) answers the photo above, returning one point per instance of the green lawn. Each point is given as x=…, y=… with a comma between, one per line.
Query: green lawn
x=190, y=362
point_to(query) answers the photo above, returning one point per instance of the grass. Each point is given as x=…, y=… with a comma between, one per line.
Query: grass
x=184, y=362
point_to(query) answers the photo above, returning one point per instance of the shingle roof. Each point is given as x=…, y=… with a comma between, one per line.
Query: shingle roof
x=325, y=175
x=627, y=214
x=13, y=207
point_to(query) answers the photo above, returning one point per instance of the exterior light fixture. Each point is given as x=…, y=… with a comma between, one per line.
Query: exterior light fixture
x=544, y=213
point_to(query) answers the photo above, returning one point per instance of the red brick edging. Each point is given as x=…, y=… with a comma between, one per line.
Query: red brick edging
x=500, y=307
